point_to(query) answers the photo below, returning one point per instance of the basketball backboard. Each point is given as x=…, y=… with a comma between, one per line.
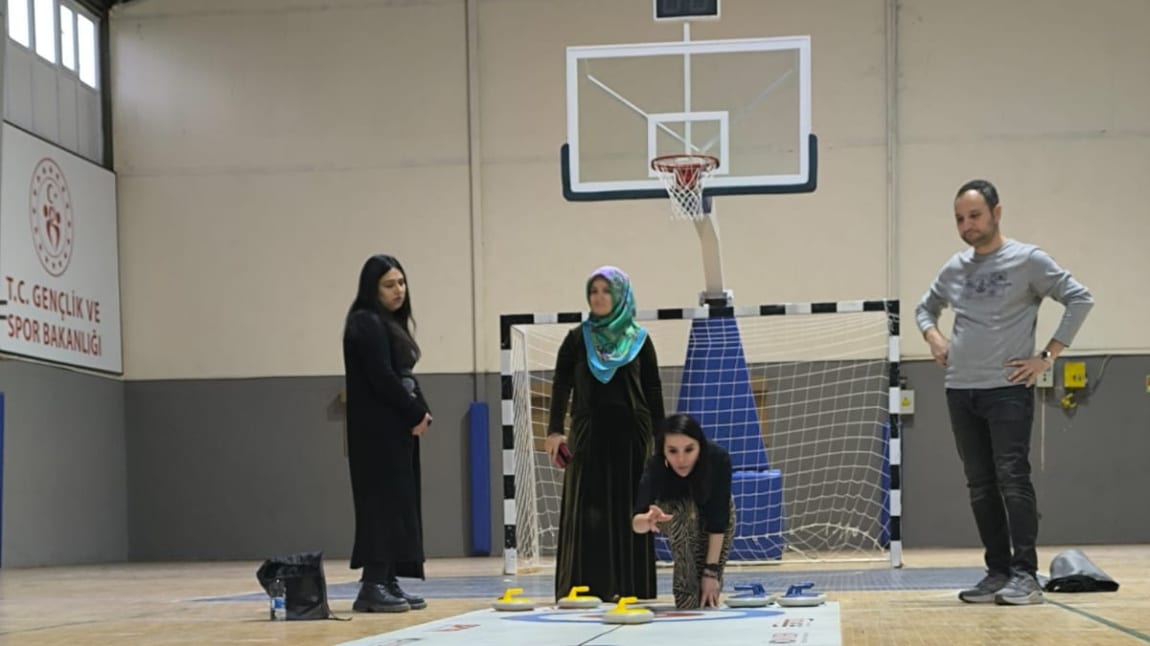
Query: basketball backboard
x=745, y=101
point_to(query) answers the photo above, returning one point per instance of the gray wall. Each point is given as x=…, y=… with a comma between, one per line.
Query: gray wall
x=243, y=468
x=65, y=481
x=1090, y=480
x=246, y=468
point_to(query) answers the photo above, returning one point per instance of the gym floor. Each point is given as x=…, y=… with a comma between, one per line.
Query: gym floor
x=221, y=603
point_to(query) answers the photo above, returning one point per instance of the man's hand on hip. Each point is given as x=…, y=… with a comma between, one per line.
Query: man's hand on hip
x=939, y=346
x=1027, y=370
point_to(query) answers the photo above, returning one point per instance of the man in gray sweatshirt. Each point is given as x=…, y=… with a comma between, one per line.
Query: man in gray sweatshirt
x=995, y=288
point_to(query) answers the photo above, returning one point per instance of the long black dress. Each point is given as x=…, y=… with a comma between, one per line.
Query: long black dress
x=382, y=453
x=612, y=426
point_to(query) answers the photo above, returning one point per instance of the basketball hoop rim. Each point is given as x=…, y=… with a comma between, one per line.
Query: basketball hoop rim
x=675, y=161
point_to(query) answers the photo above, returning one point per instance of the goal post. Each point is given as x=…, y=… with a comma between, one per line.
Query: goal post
x=804, y=396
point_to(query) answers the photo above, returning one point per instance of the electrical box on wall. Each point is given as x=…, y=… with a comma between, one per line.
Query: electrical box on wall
x=1045, y=378
x=1074, y=375
x=906, y=402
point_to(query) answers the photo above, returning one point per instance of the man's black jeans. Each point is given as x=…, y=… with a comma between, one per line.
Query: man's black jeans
x=992, y=431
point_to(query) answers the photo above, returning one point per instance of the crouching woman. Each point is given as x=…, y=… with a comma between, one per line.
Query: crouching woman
x=685, y=493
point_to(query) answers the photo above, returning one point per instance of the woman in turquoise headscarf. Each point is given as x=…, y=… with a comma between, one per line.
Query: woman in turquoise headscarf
x=608, y=364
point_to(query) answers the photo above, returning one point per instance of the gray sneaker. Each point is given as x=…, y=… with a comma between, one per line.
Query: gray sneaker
x=1023, y=590
x=985, y=590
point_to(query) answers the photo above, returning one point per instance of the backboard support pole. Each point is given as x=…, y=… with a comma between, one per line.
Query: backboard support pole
x=708, y=226
x=714, y=294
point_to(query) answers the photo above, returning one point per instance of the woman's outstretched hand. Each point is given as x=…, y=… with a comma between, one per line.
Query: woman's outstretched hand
x=655, y=516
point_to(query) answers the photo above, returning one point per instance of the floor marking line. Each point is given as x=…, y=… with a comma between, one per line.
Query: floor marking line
x=606, y=632
x=1102, y=620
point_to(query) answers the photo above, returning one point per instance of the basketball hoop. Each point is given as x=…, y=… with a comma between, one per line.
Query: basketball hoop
x=685, y=176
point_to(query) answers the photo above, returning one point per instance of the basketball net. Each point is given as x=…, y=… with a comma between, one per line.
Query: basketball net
x=685, y=176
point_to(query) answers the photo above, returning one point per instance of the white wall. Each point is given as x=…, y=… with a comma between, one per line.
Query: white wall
x=264, y=151
x=555, y=244
x=1052, y=102
x=265, y=148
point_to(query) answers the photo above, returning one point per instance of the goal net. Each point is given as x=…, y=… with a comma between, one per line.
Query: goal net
x=799, y=395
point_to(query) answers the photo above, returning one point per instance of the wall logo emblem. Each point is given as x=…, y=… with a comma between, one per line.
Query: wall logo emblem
x=51, y=204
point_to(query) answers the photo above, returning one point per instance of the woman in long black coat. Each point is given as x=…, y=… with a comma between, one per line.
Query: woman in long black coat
x=386, y=414
x=608, y=368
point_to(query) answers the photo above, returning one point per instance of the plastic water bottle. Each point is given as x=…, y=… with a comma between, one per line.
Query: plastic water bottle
x=278, y=592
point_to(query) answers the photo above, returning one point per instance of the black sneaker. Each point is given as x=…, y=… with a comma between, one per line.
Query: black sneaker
x=1023, y=590
x=985, y=590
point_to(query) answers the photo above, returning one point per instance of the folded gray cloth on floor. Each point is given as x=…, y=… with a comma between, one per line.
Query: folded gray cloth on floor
x=1071, y=571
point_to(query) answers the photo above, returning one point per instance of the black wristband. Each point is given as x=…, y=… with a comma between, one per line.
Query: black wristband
x=713, y=568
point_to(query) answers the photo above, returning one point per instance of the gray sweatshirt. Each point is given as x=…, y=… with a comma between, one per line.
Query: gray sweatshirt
x=995, y=299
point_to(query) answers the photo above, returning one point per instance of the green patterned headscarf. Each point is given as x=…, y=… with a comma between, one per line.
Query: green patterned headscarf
x=612, y=340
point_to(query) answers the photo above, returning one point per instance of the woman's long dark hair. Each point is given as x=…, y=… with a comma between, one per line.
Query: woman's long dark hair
x=669, y=485
x=367, y=298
